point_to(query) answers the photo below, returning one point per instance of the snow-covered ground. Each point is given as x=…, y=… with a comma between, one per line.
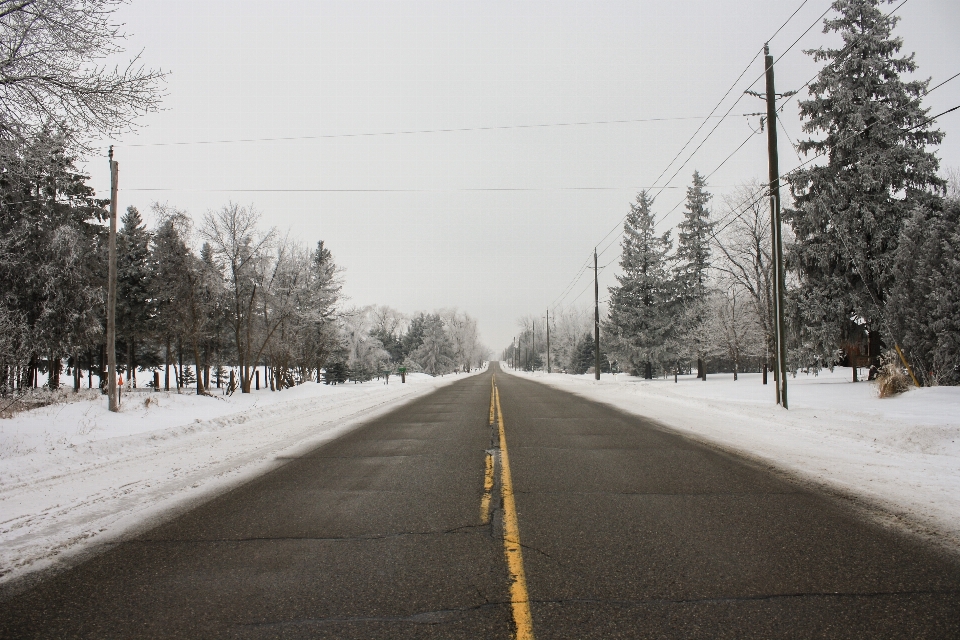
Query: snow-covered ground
x=73, y=475
x=900, y=454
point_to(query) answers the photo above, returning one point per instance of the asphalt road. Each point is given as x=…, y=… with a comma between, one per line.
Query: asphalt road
x=627, y=530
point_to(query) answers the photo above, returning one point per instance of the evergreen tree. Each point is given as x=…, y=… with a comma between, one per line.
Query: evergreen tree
x=924, y=303
x=692, y=264
x=851, y=210
x=324, y=293
x=179, y=288
x=640, y=319
x=134, y=308
x=584, y=358
x=51, y=257
x=413, y=338
x=435, y=353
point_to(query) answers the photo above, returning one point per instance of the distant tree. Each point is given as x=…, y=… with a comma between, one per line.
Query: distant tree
x=435, y=353
x=850, y=211
x=413, y=338
x=324, y=294
x=585, y=359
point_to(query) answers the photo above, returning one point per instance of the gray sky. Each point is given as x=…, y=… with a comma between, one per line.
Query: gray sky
x=496, y=220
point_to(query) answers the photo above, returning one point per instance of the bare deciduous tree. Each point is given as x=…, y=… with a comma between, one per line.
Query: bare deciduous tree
x=241, y=248
x=51, y=78
x=745, y=247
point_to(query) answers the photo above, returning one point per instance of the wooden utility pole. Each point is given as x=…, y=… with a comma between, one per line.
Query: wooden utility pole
x=114, y=405
x=596, y=316
x=533, y=347
x=548, y=340
x=775, y=230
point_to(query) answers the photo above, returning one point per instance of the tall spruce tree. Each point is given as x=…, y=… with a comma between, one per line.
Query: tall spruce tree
x=639, y=324
x=850, y=211
x=134, y=308
x=692, y=265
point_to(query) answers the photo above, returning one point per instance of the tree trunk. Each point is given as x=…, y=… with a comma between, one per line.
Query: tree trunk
x=53, y=372
x=196, y=360
x=76, y=373
x=166, y=368
x=130, y=361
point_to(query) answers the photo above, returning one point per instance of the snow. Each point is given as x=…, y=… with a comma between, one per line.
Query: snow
x=74, y=476
x=898, y=457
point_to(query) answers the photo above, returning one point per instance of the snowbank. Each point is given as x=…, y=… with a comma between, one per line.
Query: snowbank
x=75, y=475
x=901, y=454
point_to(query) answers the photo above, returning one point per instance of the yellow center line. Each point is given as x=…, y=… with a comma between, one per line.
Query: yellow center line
x=493, y=386
x=487, y=491
x=519, y=599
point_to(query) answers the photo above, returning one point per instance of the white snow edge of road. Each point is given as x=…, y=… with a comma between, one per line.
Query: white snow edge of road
x=896, y=459
x=63, y=502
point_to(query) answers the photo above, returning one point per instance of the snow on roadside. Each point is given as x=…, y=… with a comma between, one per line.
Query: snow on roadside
x=901, y=454
x=74, y=475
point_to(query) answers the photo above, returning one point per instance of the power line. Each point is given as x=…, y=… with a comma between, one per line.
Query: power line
x=842, y=53
x=364, y=190
x=410, y=132
x=707, y=137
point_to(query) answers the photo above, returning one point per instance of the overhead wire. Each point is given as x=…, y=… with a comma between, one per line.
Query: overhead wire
x=407, y=132
x=713, y=111
x=790, y=97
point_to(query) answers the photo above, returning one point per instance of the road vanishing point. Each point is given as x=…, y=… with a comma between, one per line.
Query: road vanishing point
x=497, y=507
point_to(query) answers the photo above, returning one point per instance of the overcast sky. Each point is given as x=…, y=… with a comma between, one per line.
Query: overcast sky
x=496, y=220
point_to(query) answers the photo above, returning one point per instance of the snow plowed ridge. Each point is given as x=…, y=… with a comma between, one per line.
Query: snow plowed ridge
x=65, y=486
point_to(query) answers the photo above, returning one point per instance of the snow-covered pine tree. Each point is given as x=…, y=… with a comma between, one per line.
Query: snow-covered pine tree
x=693, y=255
x=638, y=328
x=850, y=210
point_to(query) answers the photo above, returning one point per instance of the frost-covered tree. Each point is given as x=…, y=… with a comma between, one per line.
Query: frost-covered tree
x=850, y=211
x=435, y=353
x=51, y=78
x=183, y=293
x=464, y=338
x=639, y=327
x=924, y=303
x=692, y=264
x=744, y=259
x=50, y=260
x=241, y=249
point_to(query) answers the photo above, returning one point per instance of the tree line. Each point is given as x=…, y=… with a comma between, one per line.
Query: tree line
x=199, y=317
x=193, y=301
x=871, y=240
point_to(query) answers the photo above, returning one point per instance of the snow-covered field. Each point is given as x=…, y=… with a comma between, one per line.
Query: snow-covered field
x=74, y=475
x=900, y=454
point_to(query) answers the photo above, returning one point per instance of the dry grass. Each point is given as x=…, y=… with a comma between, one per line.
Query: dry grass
x=891, y=380
x=29, y=399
